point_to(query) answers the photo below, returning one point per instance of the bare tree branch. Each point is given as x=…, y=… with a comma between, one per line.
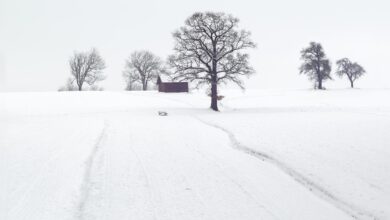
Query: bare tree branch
x=315, y=64
x=142, y=67
x=207, y=51
x=352, y=70
x=87, y=67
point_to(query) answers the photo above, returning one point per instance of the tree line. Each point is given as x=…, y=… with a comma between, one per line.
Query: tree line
x=209, y=50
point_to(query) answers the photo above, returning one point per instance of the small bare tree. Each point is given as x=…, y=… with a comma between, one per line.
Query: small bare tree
x=208, y=51
x=131, y=79
x=142, y=67
x=69, y=86
x=352, y=70
x=315, y=64
x=86, y=67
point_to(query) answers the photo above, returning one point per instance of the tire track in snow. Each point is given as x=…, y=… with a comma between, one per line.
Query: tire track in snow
x=151, y=193
x=35, y=183
x=213, y=161
x=87, y=183
x=318, y=190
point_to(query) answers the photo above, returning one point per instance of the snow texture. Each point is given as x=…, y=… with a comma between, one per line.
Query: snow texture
x=269, y=154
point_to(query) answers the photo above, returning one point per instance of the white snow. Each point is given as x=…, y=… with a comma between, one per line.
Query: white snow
x=269, y=154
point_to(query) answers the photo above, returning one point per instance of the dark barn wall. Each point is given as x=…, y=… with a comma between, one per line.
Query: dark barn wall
x=173, y=87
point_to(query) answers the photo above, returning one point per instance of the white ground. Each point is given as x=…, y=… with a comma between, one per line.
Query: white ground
x=267, y=155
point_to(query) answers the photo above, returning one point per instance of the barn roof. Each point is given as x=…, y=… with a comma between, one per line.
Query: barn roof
x=165, y=78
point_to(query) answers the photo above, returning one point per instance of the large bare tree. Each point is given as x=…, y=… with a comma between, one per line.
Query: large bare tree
x=208, y=50
x=142, y=67
x=86, y=67
x=351, y=69
x=315, y=64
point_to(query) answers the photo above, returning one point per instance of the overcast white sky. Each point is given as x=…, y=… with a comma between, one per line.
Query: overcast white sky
x=37, y=37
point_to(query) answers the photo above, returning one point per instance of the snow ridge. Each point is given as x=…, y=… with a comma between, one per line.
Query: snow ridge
x=318, y=190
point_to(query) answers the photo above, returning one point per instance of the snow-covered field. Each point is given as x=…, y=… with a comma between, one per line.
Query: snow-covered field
x=269, y=154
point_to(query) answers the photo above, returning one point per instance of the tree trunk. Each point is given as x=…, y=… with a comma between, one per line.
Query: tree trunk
x=214, y=89
x=320, y=84
x=80, y=87
x=351, y=84
x=214, y=96
x=145, y=86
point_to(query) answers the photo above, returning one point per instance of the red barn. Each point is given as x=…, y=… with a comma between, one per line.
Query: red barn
x=171, y=86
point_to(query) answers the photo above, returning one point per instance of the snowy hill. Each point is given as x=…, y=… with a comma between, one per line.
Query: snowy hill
x=269, y=154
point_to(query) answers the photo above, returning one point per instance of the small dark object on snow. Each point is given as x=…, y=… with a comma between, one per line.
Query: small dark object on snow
x=161, y=113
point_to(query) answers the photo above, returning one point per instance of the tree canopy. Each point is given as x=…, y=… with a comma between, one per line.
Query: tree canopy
x=315, y=64
x=208, y=51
